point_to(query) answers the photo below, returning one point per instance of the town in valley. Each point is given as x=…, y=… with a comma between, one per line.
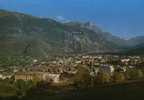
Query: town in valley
x=64, y=70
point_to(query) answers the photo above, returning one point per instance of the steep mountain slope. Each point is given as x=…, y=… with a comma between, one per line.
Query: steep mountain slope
x=22, y=34
x=114, y=41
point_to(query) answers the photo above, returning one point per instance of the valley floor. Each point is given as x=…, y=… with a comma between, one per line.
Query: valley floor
x=125, y=91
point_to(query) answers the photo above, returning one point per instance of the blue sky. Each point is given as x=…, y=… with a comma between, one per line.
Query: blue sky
x=124, y=18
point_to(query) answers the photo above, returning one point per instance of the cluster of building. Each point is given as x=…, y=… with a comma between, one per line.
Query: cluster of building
x=61, y=69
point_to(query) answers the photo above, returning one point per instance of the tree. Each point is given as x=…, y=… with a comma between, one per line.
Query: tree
x=82, y=77
x=22, y=87
x=134, y=74
x=140, y=74
x=119, y=77
x=103, y=77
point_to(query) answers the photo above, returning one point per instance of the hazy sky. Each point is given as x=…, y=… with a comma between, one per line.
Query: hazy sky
x=121, y=17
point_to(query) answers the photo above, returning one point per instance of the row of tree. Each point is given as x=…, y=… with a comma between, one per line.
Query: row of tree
x=83, y=78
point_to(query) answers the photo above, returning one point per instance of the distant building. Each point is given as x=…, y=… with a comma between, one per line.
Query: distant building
x=2, y=76
x=26, y=76
x=38, y=76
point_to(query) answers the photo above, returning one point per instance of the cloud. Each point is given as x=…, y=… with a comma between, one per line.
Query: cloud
x=61, y=19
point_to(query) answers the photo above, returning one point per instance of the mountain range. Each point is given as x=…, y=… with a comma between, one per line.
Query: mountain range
x=22, y=34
